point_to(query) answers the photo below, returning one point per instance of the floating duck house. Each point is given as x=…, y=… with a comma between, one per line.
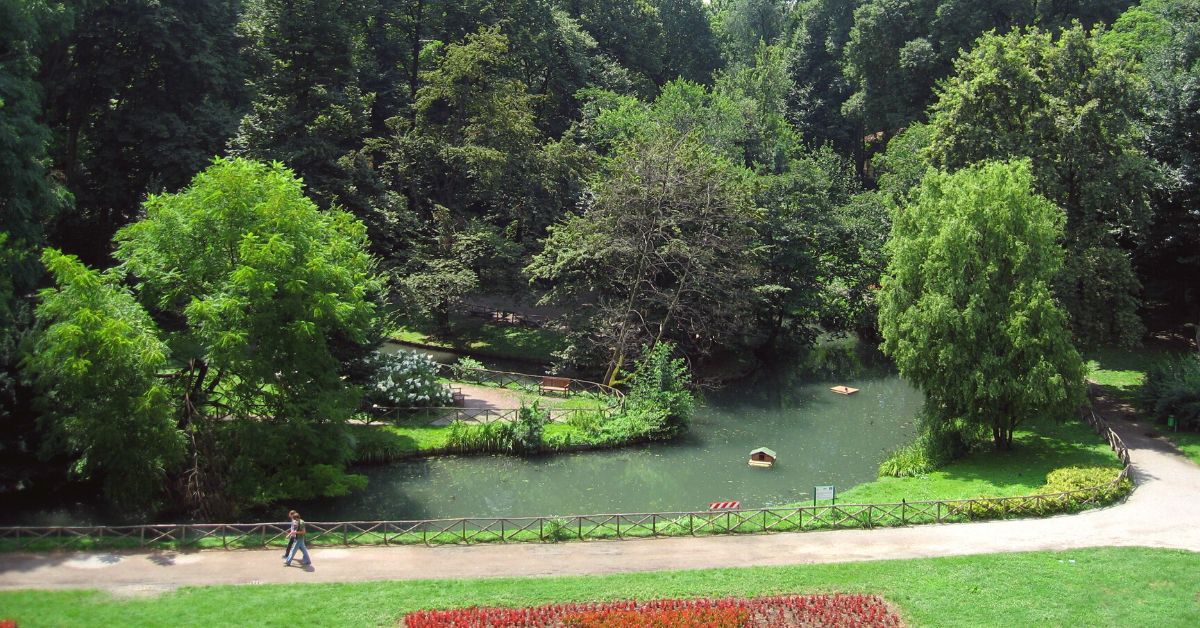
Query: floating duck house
x=844, y=390
x=762, y=457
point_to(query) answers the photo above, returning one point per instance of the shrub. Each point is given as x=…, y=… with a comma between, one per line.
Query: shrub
x=375, y=445
x=1078, y=478
x=661, y=382
x=1086, y=487
x=496, y=436
x=408, y=380
x=1172, y=388
x=527, y=431
x=520, y=436
x=559, y=529
x=464, y=369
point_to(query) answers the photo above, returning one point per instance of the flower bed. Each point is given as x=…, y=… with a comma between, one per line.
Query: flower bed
x=788, y=610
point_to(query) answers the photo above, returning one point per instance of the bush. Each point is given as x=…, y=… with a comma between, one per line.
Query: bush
x=408, y=380
x=464, y=369
x=1079, y=478
x=480, y=437
x=1088, y=487
x=559, y=529
x=377, y=445
x=660, y=385
x=527, y=431
x=521, y=436
x=1172, y=388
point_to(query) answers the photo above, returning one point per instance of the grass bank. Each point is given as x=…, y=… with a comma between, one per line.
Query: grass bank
x=475, y=337
x=1097, y=587
x=1038, y=449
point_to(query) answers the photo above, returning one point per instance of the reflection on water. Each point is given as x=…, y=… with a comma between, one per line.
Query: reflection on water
x=821, y=438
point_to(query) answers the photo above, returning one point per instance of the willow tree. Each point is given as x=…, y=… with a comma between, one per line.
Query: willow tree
x=967, y=310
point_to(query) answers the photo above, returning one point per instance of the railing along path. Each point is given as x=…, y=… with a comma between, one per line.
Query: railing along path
x=579, y=527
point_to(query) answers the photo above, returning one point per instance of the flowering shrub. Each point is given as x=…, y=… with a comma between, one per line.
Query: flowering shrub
x=785, y=610
x=408, y=380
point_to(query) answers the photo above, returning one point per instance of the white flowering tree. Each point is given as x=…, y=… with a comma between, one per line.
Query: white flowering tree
x=408, y=380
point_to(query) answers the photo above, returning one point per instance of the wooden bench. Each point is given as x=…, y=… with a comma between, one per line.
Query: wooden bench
x=555, y=384
x=456, y=396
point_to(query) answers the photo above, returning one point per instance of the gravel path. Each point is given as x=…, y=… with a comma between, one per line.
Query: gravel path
x=1162, y=512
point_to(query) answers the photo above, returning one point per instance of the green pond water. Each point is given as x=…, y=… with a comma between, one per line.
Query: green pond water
x=821, y=438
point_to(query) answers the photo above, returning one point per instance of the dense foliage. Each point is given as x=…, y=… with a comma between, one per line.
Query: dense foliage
x=1172, y=391
x=719, y=175
x=258, y=302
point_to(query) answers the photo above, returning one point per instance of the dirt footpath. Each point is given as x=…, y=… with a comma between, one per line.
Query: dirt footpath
x=1162, y=512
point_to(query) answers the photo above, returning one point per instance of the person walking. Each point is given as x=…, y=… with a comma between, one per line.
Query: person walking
x=297, y=532
x=291, y=535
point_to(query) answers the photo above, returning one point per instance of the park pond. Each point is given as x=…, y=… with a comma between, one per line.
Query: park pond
x=822, y=438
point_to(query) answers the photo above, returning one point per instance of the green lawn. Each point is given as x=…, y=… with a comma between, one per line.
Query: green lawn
x=405, y=438
x=476, y=337
x=1038, y=450
x=1188, y=442
x=1098, y=587
x=1122, y=370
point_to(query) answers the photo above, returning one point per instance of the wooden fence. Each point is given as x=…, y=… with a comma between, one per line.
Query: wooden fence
x=506, y=317
x=485, y=415
x=581, y=527
x=505, y=379
x=551, y=529
x=614, y=399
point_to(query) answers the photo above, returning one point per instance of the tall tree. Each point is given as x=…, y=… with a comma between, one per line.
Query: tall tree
x=98, y=361
x=820, y=84
x=1165, y=38
x=690, y=48
x=967, y=310
x=29, y=200
x=629, y=31
x=1074, y=109
x=659, y=253
x=259, y=291
x=899, y=49
x=259, y=299
x=28, y=196
x=744, y=24
x=140, y=95
x=309, y=110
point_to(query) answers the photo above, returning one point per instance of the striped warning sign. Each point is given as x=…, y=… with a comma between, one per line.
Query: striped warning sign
x=724, y=505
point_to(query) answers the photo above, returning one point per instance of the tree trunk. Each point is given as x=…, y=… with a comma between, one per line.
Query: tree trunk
x=414, y=72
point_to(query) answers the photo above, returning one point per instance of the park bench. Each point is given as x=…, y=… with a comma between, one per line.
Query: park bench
x=456, y=396
x=555, y=384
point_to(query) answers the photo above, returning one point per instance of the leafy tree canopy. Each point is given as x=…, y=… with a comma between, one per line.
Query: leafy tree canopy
x=1073, y=108
x=261, y=301
x=99, y=358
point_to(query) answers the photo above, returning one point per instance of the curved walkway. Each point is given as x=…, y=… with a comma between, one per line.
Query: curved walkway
x=1162, y=512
